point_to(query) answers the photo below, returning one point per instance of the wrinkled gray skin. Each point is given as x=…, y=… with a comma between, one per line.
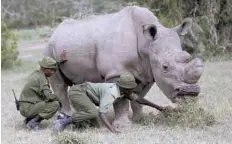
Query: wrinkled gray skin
x=132, y=40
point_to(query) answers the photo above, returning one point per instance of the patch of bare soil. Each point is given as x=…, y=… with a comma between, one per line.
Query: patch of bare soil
x=31, y=51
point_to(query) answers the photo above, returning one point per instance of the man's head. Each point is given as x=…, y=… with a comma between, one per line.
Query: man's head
x=126, y=83
x=48, y=66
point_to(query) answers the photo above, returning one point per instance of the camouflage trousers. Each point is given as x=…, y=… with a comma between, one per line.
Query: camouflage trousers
x=45, y=110
x=85, y=109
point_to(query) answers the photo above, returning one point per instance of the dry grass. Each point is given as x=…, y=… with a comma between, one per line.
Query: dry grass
x=195, y=124
x=190, y=114
x=69, y=138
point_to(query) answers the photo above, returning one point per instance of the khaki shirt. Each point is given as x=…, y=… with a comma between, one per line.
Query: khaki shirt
x=104, y=94
x=37, y=88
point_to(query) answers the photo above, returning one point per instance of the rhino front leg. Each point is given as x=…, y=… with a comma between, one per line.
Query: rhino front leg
x=138, y=108
x=137, y=111
x=60, y=88
x=121, y=110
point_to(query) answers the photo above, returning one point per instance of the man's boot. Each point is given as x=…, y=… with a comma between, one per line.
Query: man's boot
x=33, y=124
x=62, y=115
x=26, y=120
x=60, y=124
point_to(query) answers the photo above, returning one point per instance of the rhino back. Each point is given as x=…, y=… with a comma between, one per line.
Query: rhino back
x=71, y=35
x=82, y=39
x=98, y=48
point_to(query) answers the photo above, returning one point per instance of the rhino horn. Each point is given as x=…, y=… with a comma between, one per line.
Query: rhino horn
x=194, y=70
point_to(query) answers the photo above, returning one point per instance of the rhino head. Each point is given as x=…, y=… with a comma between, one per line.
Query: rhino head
x=175, y=71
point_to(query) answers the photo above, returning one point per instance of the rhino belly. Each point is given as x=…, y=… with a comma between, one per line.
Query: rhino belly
x=79, y=72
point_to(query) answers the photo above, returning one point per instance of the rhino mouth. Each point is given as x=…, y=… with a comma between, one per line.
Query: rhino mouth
x=186, y=91
x=193, y=90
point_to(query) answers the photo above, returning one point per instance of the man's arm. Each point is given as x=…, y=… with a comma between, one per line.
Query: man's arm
x=106, y=102
x=106, y=122
x=148, y=103
x=46, y=91
x=134, y=97
x=49, y=96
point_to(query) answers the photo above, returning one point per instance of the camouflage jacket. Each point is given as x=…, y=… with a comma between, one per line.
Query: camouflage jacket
x=36, y=89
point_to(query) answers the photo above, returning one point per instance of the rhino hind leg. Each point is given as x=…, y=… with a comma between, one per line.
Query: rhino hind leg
x=60, y=88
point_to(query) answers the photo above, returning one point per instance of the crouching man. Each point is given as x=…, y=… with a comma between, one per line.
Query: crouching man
x=85, y=97
x=37, y=102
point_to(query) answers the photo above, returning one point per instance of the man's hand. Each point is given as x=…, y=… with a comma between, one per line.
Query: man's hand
x=106, y=122
x=148, y=103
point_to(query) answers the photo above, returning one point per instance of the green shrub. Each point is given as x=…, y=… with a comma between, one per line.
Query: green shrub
x=213, y=16
x=9, y=50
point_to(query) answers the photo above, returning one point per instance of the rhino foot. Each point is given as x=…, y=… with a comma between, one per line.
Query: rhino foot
x=137, y=116
x=121, y=109
x=137, y=111
x=122, y=122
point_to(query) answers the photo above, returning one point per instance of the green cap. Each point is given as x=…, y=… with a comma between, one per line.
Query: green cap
x=48, y=62
x=127, y=81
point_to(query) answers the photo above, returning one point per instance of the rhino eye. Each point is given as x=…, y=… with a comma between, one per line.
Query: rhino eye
x=165, y=67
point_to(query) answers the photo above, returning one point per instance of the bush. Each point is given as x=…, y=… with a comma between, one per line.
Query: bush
x=9, y=50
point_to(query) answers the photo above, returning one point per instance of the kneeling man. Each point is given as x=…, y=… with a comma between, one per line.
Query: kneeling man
x=85, y=97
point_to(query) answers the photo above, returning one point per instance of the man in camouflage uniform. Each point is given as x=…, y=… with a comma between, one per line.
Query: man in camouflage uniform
x=37, y=102
x=85, y=97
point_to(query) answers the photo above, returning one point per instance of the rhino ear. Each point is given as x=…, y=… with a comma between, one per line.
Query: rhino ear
x=183, y=28
x=149, y=31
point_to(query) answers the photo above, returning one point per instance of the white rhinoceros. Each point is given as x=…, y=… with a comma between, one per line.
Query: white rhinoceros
x=133, y=40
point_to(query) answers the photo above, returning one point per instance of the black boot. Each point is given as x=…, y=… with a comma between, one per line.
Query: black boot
x=33, y=124
x=26, y=120
x=60, y=124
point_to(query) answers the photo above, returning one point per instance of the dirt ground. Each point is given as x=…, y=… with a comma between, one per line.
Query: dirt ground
x=215, y=98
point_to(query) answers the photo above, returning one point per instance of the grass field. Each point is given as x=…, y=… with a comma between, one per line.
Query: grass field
x=215, y=98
